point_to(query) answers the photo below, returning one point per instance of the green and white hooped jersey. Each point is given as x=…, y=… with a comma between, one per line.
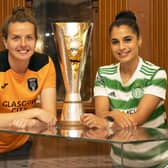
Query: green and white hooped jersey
x=147, y=79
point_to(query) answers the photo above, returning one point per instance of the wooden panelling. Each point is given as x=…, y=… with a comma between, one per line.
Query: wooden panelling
x=104, y=12
x=159, y=34
x=6, y=7
x=143, y=20
x=107, y=11
x=6, y=10
x=95, y=39
x=102, y=55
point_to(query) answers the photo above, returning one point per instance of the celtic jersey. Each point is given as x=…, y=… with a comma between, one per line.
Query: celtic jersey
x=147, y=79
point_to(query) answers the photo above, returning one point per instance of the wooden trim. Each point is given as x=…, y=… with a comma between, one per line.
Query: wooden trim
x=6, y=7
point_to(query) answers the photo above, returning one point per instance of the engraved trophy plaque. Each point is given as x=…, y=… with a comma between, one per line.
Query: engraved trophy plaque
x=72, y=42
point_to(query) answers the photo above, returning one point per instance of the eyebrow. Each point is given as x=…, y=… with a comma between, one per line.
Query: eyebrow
x=129, y=36
x=20, y=35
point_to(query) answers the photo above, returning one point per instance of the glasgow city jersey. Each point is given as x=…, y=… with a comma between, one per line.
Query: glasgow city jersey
x=19, y=92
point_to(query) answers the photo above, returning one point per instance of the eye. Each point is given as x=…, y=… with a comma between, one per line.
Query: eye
x=15, y=38
x=128, y=39
x=29, y=38
x=114, y=41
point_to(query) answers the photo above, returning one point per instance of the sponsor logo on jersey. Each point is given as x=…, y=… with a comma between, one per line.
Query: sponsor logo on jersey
x=32, y=84
x=112, y=94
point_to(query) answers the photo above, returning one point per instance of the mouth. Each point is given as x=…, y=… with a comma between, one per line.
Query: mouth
x=124, y=53
x=23, y=51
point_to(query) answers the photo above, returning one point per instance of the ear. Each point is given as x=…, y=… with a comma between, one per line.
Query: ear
x=139, y=41
x=5, y=43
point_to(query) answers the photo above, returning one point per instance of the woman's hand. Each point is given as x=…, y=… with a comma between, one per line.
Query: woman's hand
x=33, y=126
x=93, y=121
x=45, y=117
x=34, y=117
x=24, y=123
x=122, y=119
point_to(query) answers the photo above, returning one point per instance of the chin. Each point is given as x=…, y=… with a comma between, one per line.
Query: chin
x=123, y=58
x=23, y=58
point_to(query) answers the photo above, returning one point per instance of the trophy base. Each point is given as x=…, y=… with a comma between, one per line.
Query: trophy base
x=66, y=124
x=71, y=112
x=71, y=129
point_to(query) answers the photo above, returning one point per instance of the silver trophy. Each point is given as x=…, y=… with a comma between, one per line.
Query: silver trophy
x=73, y=42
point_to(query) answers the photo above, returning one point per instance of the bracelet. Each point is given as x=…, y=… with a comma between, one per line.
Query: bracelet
x=110, y=124
x=109, y=118
x=110, y=131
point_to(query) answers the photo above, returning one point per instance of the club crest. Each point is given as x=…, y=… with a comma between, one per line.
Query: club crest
x=32, y=84
x=137, y=93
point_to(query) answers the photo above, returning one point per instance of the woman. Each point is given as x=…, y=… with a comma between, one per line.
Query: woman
x=131, y=92
x=24, y=75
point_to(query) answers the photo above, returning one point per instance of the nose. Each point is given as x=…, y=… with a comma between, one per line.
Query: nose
x=23, y=42
x=121, y=46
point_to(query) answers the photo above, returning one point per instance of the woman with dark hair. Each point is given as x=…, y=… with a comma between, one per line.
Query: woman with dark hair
x=128, y=94
x=131, y=92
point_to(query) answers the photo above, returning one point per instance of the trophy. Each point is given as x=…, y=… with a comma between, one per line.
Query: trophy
x=72, y=42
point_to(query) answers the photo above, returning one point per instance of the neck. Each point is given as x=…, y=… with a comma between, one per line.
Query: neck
x=129, y=67
x=19, y=67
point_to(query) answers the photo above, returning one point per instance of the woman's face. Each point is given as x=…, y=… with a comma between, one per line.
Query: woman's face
x=124, y=43
x=21, y=41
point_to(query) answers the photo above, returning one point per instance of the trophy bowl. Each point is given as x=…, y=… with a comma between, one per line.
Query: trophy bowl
x=72, y=41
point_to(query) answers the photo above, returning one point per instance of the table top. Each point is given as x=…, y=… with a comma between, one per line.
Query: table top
x=77, y=146
x=104, y=135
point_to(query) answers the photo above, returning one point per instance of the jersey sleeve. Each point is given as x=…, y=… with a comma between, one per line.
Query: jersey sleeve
x=158, y=84
x=99, y=86
x=50, y=81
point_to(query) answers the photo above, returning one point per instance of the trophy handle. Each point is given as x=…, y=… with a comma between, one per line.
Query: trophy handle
x=63, y=58
x=85, y=53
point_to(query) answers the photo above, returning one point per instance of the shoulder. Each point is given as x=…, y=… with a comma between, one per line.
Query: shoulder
x=108, y=69
x=38, y=61
x=150, y=69
x=4, y=64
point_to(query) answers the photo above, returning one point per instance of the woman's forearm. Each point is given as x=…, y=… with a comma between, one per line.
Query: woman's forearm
x=7, y=118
